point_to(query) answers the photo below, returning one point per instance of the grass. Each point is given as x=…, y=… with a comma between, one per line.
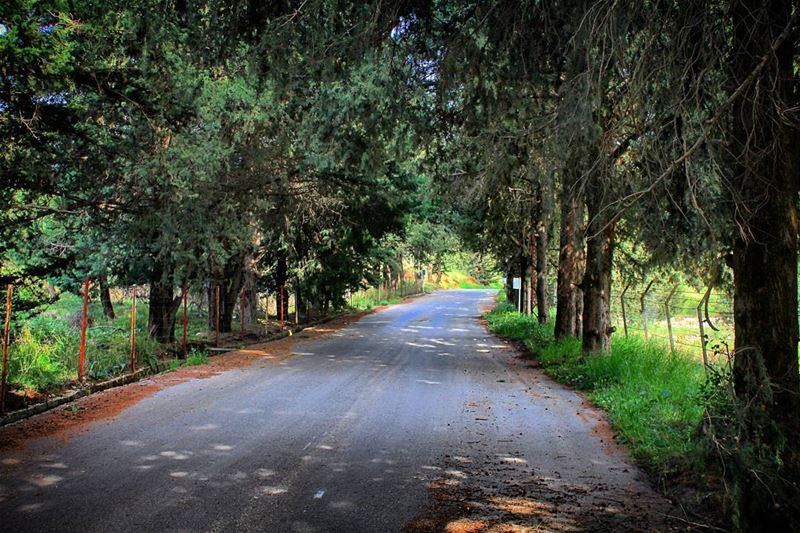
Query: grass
x=44, y=351
x=651, y=395
x=194, y=358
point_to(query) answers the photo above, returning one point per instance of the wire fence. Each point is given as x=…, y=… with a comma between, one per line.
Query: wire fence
x=74, y=339
x=698, y=322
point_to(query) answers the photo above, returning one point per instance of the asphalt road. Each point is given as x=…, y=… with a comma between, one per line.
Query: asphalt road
x=355, y=432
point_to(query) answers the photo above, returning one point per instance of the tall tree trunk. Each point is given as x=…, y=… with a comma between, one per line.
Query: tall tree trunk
x=569, y=297
x=766, y=171
x=596, y=285
x=532, y=287
x=105, y=298
x=229, y=280
x=524, y=263
x=509, y=283
x=250, y=285
x=543, y=230
x=542, y=296
x=163, y=305
x=282, y=278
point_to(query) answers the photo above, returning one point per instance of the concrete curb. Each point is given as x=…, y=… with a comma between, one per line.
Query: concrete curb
x=125, y=379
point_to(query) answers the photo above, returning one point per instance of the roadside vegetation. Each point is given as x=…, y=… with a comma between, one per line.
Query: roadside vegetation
x=652, y=396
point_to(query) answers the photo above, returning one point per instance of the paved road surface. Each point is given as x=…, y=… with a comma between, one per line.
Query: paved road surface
x=350, y=434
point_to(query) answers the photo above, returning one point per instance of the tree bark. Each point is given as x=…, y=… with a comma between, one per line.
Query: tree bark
x=250, y=286
x=544, y=226
x=532, y=287
x=596, y=285
x=163, y=305
x=766, y=170
x=229, y=280
x=570, y=267
x=281, y=278
x=105, y=298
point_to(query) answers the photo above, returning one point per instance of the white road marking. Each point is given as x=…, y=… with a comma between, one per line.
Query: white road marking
x=319, y=494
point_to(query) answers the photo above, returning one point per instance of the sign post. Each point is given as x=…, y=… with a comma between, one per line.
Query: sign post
x=517, y=286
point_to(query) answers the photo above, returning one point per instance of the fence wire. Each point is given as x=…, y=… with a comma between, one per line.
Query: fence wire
x=698, y=322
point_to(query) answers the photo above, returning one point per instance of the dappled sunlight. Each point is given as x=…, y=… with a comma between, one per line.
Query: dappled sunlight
x=45, y=480
x=204, y=427
x=271, y=491
x=521, y=506
x=178, y=456
x=514, y=460
x=264, y=473
x=30, y=507
x=465, y=525
x=59, y=466
x=342, y=505
x=442, y=342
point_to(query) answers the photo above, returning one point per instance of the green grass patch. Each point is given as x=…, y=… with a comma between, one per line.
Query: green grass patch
x=44, y=349
x=651, y=394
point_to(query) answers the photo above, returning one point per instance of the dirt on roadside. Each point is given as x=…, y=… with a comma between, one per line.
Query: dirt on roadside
x=65, y=420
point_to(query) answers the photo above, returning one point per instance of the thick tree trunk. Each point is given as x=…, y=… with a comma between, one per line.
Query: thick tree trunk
x=282, y=278
x=250, y=286
x=766, y=171
x=105, y=298
x=544, y=227
x=532, y=287
x=509, y=284
x=163, y=306
x=569, y=297
x=524, y=262
x=596, y=285
x=542, y=294
x=229, y=280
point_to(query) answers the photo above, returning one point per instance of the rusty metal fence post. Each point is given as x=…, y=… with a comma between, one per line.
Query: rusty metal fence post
x=84, y=323
x=6, y=340
x=185, y=319
x=216, y=317
x=133, y=331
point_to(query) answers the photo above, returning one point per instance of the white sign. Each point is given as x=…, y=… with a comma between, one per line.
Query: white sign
x=517, y=283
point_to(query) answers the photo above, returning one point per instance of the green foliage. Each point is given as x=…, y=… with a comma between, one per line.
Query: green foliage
x=44, y=349
x=506, y=321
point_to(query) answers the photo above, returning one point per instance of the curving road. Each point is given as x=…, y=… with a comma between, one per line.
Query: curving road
x=414, y=418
